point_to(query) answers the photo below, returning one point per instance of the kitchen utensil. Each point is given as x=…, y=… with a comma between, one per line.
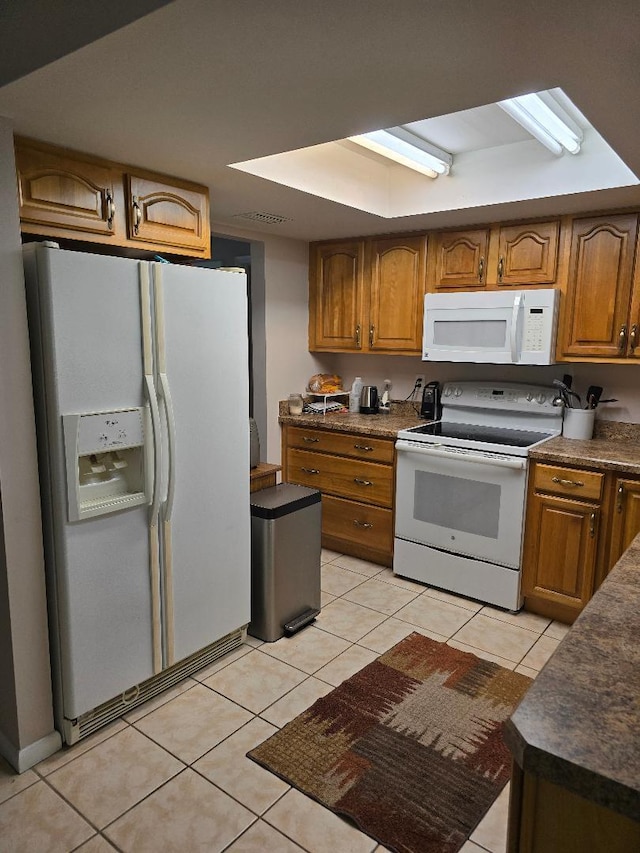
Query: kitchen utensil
x=567, y=392
x=568, y=380
x=594, y=392
x=369, y=400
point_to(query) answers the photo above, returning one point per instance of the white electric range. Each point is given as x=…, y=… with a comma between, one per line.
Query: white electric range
x=461, y=485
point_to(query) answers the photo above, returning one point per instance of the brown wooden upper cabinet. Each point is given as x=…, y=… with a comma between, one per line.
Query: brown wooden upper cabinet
x=66, y=194
x=601, y=313
x=461, y=259
x=527, y=254
x=60, y=191
x=367, y=296
x=164, y=214
x=500, y=256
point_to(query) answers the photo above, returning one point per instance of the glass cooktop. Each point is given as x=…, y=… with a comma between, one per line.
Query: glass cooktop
x=489, y=434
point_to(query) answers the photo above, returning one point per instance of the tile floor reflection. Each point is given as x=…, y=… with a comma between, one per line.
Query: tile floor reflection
x=172, y=775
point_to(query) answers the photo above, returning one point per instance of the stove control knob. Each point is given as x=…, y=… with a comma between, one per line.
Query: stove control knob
x=541, y=398
x=529, y=397
x=458, y=392
x=447, y=391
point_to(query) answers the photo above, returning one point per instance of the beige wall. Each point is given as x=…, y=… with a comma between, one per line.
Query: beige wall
x=25, y=681
x=283, y=267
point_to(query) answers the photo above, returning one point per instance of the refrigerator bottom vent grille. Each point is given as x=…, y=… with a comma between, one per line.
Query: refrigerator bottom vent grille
x=93, y=720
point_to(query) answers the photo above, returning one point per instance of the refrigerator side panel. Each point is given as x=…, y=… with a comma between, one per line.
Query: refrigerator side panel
x=205, y=318
x=91, y=362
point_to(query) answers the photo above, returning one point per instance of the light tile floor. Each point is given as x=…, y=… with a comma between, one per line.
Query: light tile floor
x=172, y=775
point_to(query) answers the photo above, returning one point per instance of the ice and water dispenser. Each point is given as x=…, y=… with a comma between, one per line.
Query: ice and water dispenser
x=106, y=461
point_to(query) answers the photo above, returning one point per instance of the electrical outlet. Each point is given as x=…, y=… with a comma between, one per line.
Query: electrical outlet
x=419, y=383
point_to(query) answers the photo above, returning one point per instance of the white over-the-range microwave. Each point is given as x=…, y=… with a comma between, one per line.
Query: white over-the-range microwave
x=493, y=327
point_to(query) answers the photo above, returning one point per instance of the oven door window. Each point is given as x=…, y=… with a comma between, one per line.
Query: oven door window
x=468, y=506
x=472, y=508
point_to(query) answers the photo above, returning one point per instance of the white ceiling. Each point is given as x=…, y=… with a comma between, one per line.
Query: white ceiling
x=199, y=84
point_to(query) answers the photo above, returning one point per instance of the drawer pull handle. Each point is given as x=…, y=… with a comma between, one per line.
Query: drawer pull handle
x=567, y=482
x=362, y=482
x=362, y=524
x=363, y=447
x=311, y=470
x=306, y=438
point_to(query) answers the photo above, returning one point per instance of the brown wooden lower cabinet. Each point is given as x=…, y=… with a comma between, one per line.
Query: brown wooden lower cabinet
x=547, y=818
x=578, y=523
x=355, y=474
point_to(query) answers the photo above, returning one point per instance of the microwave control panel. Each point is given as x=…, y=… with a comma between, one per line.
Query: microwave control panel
x=534, y=326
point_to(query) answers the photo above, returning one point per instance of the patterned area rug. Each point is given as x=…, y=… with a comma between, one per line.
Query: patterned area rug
x=410, y=747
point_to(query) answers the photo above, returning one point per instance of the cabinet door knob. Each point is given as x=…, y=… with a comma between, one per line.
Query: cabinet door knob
x=372, y=329
x=362, y=524
x=620, y=498
x=567, y=482
x=633, y=337
x=500, y=268
x=592, y=524
x=622, y=338
x=481, y=269
x=358, y=336
x=362, y=482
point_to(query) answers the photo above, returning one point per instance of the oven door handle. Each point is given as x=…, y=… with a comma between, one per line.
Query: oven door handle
x=518, y=464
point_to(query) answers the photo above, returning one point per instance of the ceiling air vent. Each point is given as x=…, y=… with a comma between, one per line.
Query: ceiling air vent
x=265, y=218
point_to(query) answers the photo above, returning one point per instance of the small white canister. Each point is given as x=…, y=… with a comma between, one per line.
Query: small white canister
x=578, y=423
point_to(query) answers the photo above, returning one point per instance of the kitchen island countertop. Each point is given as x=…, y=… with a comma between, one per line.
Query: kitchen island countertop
x=578, y=725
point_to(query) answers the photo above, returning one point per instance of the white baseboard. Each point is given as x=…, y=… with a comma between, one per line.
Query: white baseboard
x=23, y=759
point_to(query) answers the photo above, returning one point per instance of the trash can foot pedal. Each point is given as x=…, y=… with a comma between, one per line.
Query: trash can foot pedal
x=300, y=621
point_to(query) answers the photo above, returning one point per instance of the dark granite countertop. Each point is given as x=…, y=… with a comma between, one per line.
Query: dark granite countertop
x=402, y=416
x=579, y=724
x=615, y=447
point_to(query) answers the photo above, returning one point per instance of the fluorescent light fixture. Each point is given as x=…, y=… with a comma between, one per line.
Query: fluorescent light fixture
x=406, y=148
x=546, y=121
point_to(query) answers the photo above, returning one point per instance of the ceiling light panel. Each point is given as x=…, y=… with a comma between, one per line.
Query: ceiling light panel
x=406, y=148
x=546, y=121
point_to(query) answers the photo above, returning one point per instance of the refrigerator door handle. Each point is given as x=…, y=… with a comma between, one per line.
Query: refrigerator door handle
x=171, y=444
x=157, y=453
x=152, y=397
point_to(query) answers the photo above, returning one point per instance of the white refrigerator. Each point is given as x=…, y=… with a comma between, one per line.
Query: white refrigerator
x=141, y=389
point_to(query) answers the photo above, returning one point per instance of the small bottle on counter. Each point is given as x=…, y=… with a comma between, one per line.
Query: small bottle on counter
x=354, y=395
x=295, y=404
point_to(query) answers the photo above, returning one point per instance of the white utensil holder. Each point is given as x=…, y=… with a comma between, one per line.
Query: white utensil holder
x=578, y=423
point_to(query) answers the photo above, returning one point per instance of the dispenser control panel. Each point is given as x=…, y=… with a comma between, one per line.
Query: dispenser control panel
x=110, y=431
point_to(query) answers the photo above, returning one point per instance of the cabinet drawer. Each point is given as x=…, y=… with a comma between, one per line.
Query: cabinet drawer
x=367, y=525
x=342, y=444
x=583, y=485
x=347, y=478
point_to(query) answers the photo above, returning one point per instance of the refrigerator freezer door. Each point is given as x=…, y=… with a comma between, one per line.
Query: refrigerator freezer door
x=205, y=343
x=87, y=308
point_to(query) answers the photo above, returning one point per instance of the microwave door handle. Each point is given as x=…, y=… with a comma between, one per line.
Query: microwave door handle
x=515, y=312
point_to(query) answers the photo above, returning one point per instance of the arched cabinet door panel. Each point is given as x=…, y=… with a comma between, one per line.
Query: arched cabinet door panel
x=335, y=296
x=167, y=214
x=528, y=254
x=461, y=258
x=596, y=312
x=66, y=192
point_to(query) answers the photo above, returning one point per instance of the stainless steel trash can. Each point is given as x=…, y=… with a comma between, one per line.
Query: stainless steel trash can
x=285, y=560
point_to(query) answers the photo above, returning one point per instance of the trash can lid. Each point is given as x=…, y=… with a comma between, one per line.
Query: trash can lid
x=281, y=500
